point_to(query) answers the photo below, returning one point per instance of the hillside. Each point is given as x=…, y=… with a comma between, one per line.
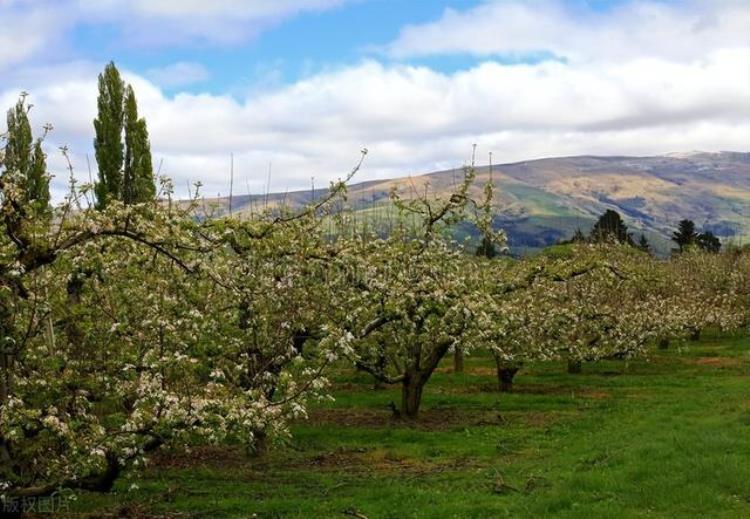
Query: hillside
x=542, y=201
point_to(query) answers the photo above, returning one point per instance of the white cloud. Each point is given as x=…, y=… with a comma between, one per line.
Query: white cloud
x=249, y=9
x=677, y=31
x=33, y=28
x=171, y=22
x=414, y=119
x=28, y=29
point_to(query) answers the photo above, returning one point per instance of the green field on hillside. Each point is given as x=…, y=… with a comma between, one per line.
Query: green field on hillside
x=666, y=437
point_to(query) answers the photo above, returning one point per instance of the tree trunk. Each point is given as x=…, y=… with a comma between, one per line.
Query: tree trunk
x=411, y=395
x=663, y=344
x=417, y=374
x=574, y=367
x=505, y=373
x=260, y=445
x=458, y=360
x=505, y=379
x=695, y=335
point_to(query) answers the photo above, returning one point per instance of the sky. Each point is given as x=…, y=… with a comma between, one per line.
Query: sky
x=301, y=86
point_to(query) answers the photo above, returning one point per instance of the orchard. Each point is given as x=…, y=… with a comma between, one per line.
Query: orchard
x=128, y=325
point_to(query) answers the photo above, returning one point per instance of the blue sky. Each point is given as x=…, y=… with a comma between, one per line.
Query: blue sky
x=303, y=85
x=299, y=46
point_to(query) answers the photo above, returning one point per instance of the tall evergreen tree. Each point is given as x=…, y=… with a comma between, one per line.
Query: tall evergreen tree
x=37, y=180
x=19, y=140
x=138, y=178
x=25, y=158
x=685, y=235
x=108, y=144
x=609, y=227
x=125, y=166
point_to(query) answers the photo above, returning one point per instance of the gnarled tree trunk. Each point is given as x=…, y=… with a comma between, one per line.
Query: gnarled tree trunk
x=416, y=376
x=574, y=366
x=411, y=393
x=505, y=373
x=663, y=343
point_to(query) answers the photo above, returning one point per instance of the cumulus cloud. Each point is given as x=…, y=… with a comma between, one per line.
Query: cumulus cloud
x=415, y=119
x=28, y=28
x=679, y=31
x=169, y=22
x=31, y=28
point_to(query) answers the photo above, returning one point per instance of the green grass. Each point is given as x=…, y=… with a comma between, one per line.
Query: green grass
x=669, y=437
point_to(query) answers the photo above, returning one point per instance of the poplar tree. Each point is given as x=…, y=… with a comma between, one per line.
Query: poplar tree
x=25, y=158
x=108, y=144
x=37, y=180
x=138, y=179
x=123, y=151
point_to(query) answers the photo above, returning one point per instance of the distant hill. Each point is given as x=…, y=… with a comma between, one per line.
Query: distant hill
x=542, y=201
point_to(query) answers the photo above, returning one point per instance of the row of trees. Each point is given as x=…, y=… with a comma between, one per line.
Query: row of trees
x=610, y=228
x=132, y=325
x=686, y=236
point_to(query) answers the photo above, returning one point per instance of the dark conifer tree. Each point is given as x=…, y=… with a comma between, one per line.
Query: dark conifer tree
x=685, y=235
x=709, y=242
x=610, y=227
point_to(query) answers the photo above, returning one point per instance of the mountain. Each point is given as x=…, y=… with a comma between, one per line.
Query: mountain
x=542, y=201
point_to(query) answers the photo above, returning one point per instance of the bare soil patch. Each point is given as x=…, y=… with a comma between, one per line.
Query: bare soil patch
x=480, y=371
x=543, y=389
x=206, y=456
x=429, y=419
x=377, y=460
x=435, y=419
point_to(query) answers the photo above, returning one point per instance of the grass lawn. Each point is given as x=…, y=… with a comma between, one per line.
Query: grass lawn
x=669, y=437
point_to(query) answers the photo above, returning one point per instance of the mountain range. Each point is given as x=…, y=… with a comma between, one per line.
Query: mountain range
x=540, y=202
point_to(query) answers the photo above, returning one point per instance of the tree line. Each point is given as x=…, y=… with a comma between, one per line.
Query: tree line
x=610, y=227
